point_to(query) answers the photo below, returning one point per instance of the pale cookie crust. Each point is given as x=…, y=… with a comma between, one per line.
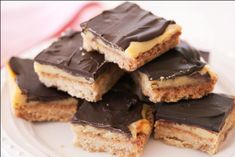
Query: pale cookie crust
x=126, y=61
x=37, y=111
x=185, y=136
x=102, y=140
x=174, y=92
x=53, y=111
x=75, y=85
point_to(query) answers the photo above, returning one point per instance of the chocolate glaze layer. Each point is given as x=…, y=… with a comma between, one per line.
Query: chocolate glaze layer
x=126, y=23
x=179, y=61
x=29, y=83
x=205, y=55
x=208, y=112
x=66, y=53
x=116, y=111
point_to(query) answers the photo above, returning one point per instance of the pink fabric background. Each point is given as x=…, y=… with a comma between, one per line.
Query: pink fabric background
x=26, y=24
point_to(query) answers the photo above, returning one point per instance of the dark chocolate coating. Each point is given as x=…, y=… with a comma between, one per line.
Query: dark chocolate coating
x=126, y=23
x=205, y=55
x=179, y=61
x=116, y=111
x=67, y=54
x=29, y=83
x=208, y=112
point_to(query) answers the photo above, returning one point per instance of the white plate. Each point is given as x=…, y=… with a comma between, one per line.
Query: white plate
x=22, y=138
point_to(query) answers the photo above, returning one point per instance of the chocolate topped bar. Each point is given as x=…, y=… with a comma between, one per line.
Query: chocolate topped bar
x=179, y=61
x=67, y=54
x=116, y=111
x=208, y=112
x=29, y=83
x=126, y=23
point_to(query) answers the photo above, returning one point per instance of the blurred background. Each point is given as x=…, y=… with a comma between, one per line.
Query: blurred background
x=207, y=25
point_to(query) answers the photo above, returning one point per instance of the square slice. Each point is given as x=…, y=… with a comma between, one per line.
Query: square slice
x=119, y=124
x=33, y=101
x=175, y=75
x=201, y=124
x=129, y=36
x=68, y=67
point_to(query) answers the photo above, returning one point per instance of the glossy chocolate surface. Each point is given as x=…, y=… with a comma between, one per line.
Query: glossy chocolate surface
x=66, y=53
x=116, y=111
x=126, y=23
x=179, y=61
x=205, y=55
x=29, y=83
x=209, y=112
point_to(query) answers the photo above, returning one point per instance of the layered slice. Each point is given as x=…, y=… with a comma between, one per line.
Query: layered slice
x=130, y=36
x=177, y=74
x=201, y=124
x=119, y=124
x=33, y=101
x=68, y=67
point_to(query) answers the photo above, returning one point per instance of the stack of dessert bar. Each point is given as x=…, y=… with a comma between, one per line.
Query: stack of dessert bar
x=124, y=75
